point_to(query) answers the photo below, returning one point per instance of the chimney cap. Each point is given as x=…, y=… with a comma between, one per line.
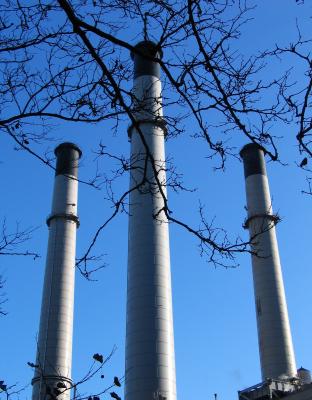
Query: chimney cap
x=252, y=155
x=68, y=145
x=148, y=48
x=250, y=147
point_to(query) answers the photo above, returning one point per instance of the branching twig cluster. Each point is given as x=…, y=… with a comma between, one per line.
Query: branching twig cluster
x=11, y=244
x=69, y=61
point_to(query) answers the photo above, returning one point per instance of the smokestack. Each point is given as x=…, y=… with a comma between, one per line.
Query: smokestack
x=150, y=362
x=54, y=349
x=275, y=342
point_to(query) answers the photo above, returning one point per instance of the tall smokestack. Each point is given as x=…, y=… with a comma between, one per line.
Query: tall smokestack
x=150, y=362
x=54, y=349
x=275, y=342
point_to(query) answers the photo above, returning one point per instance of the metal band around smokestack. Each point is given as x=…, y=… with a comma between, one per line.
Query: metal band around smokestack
x=150, y=361
x=54, y=347
x=274, y=336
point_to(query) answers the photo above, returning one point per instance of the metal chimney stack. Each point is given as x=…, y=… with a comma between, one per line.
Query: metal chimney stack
x=150, y=361
x=275, y=342
x=54, y=349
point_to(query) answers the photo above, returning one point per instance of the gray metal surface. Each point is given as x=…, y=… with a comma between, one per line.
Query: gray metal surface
x=275, y=342
x=54, y=348
x=150, y=361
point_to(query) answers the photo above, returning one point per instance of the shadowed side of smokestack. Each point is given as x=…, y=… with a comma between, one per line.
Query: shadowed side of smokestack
x=150, y=363
x=54, y=348
x=275, y=342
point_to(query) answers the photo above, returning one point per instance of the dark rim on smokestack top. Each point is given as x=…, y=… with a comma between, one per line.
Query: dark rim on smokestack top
x=66, y=145
x=253, y=157
x=143, y=65
x=67, y=155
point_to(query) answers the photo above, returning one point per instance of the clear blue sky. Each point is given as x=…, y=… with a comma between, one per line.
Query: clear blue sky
x=214, y=319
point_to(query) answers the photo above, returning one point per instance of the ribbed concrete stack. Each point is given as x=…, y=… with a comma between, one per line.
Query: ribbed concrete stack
x=54, y=352
x=150, y=363
x=275, y=342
